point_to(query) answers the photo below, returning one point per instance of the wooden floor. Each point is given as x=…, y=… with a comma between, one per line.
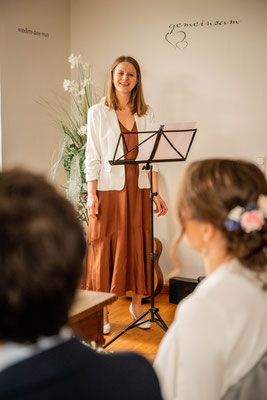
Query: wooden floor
x=144, y=341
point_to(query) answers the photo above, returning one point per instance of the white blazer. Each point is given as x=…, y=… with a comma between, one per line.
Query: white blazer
x=102, y=137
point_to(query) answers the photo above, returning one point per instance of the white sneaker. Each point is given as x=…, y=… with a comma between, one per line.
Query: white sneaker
x=145, y=325
x=106, y=328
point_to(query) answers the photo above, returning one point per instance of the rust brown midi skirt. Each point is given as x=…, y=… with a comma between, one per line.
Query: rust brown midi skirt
x=119, y=240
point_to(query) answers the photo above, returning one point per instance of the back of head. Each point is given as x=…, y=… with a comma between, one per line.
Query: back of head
x=41, y=255
x=211, y=189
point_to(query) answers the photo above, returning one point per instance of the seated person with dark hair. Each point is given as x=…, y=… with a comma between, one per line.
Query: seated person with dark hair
x=41, y=255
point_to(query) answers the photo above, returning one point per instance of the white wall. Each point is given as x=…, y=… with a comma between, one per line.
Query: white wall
x=33, y=66
x=218, y=79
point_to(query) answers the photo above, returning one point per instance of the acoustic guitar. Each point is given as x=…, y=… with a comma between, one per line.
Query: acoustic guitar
x=158, y=276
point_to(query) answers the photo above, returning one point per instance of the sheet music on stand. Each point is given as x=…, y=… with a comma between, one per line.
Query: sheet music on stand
x=175, y=139
x=169, y=142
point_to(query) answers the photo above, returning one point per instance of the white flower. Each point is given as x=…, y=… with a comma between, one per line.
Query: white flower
x=74, y=60
x=66, y=84
x=235, y=213
x=71, y=60
x=83, y=130
x=85, y=82
x=73, y=88
x=82, y=92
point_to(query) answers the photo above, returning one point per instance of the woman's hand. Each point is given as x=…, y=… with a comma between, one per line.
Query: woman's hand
x=161, y=208
x=92, y=199
x=92, y=205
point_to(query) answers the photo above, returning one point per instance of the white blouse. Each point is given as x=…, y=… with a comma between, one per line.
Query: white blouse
x=218, y=334
x=102, y=137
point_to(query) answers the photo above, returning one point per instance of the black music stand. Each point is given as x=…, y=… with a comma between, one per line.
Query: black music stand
x=156, y=146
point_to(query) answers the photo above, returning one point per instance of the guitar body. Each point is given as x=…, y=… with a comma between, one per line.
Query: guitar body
x=158, y=276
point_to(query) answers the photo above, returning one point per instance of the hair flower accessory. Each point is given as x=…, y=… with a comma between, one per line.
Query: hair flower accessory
x=250, y=219
x=233, y=219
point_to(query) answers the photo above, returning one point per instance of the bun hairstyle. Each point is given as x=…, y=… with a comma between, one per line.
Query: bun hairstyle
x=137, y=101
x=211, y=189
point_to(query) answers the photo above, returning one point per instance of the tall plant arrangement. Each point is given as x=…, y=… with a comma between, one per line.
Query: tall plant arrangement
x=73, y=125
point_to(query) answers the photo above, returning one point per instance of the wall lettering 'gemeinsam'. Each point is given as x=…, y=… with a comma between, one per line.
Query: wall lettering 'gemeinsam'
x=177, y=38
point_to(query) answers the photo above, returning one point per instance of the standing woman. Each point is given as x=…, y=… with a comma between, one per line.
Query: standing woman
x=118, y=196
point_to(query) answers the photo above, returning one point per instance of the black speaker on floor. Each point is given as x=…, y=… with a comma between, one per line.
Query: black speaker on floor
x=181, y=287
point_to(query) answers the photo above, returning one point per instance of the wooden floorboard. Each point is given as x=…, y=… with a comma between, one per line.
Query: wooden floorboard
x=144, y=341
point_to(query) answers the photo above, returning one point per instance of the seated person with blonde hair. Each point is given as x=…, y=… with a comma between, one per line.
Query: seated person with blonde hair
x=216, y=348
x=42, y=248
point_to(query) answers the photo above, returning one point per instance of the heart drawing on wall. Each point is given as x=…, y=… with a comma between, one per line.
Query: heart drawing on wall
x=177, y=39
